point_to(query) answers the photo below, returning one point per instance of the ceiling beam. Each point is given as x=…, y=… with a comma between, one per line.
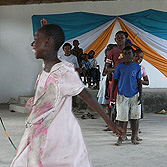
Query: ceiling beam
x=24, y=2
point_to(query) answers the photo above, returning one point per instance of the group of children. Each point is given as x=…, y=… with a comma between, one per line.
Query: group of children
x=84, y=63
x=90, y=70
x=124, y=84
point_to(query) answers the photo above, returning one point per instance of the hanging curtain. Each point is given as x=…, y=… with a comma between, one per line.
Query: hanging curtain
x=100, y=43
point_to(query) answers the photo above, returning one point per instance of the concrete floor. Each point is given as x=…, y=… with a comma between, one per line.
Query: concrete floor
x=152, y=151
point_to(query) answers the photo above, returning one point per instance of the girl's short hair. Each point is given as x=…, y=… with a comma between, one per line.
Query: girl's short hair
x=55, y=32
x=129, y=48
x=123, y=32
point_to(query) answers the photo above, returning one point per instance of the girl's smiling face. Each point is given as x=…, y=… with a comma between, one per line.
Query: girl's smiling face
x=120, y=39
x=138, y=58
x=39, y=45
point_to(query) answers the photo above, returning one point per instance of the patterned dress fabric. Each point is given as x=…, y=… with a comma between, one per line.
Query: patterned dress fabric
x=53, y=137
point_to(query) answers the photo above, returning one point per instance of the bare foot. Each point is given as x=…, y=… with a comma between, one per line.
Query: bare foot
x=119, y=142
x=138, y=138
x=134, y=141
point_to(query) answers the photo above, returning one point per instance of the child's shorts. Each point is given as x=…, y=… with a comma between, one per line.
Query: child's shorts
x=127, y=108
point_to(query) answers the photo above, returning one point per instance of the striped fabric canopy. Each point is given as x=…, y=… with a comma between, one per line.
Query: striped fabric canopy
x=146, y=29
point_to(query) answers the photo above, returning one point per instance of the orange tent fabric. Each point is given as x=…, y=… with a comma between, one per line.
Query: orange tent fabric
x=100, y=43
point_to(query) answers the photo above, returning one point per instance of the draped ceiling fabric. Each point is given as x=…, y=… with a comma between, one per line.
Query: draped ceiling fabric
x=146, y=29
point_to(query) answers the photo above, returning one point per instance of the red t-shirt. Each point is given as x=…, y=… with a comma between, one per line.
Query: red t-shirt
x=116, y=56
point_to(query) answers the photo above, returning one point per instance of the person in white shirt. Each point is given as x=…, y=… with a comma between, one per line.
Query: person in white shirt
x=68, y=56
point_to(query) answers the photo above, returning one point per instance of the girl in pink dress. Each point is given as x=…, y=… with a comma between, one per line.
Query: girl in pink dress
x=52, y=136
x=138, y=58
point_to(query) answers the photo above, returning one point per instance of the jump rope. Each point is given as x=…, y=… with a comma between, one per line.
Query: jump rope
x=7, y=134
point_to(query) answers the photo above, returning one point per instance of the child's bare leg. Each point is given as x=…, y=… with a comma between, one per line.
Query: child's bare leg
x=88, y=77
x=98, y=85
x=89, y=80
x=134, y=130
x=124, y=126
x=119, y=141
x=106, y=91
x=109, y=115
x=84, y=74
x=137, y=132
x=109, y=112
x=125, y=129
x=114, y=114
x=113, y=117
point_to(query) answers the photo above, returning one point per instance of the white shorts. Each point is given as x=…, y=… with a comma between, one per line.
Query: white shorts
x=127, y=108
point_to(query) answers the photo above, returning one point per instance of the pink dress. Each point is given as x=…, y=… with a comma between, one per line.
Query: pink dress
x=143, y=71
x=53, y=137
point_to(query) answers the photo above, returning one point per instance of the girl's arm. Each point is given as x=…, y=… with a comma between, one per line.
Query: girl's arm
x=104, y=70
x=115, y=82
x=139, y=84
x=110, y=68
x=145, y=80
x=92, y=102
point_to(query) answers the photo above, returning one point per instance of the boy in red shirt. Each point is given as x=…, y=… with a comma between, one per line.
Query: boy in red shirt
x=115, y=56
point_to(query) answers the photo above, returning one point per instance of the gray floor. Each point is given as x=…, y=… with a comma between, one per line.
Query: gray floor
x=152, y=151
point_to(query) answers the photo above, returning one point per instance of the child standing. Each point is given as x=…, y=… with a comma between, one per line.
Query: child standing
x=138, y=58
x=77, y=51
x=115, y=56
x=103, y=91
x=53, y=136
x=108, y=82
x=68, y=56
x=95, y=72
x=145, y=81
x=128, y=101
x=86, y=68
x=109, y=74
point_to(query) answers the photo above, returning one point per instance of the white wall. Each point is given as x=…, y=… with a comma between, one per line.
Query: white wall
x=18, y=65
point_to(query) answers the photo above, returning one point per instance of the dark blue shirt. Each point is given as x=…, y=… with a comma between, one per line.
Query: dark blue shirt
x=87, y=64
x=127, y=75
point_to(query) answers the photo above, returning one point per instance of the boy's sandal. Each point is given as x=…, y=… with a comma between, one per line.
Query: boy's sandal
x=107, y=129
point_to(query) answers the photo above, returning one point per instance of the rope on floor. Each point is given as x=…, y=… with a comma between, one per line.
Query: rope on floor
x=7, y=134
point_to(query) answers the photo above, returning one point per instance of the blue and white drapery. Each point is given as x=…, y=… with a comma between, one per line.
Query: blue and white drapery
x=146, y=29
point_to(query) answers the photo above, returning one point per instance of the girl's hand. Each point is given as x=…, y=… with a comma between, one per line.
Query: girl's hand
x=117, y=129
x=44, y=22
